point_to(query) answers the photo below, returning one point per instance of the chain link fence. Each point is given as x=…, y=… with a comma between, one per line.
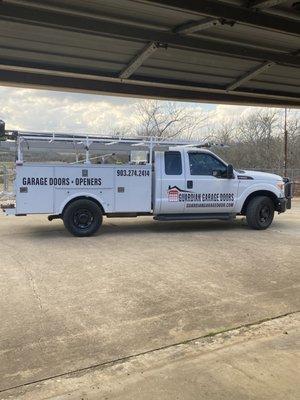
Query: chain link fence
x=7, y=176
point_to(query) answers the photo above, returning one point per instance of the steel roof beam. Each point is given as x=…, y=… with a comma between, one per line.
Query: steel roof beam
x=151, y=47
x=143, y=90
x=91, y=26
x=244, y=15
x=262, y=4
x=138, y=60
x=94, y=86
x=27, y=74
x=249, y=75
x=253, y=73
x=196, y=26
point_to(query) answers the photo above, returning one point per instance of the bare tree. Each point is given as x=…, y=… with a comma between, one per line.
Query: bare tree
x=258, y=132
x=256, y=140
x=169, y=120
x=223, y=132
x=293, y=129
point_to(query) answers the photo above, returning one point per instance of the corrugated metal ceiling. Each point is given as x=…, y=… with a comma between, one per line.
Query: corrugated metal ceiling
x=222, y=51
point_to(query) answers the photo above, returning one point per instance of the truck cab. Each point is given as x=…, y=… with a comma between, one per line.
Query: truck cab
x=193, y=183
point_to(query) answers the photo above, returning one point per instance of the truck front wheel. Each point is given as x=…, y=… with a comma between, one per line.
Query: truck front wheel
x=82, y=217
x=260, y=212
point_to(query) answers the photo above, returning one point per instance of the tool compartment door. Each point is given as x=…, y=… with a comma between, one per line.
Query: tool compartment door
x=133, y=188
x=34, y=192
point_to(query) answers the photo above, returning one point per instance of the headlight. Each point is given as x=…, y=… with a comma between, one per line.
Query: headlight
x=280, y=185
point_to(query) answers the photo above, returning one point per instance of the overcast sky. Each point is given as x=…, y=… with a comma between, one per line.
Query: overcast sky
x=41, y=110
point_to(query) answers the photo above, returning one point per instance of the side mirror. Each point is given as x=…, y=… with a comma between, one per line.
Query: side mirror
x=230, y=174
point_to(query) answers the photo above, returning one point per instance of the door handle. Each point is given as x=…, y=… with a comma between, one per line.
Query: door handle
x=189, y=184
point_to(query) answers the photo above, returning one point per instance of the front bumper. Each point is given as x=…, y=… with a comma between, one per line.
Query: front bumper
x=282, y=205
x=285, y=203
x=288, y=192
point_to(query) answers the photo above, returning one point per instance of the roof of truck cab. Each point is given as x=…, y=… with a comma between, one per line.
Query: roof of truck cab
x=190, y=148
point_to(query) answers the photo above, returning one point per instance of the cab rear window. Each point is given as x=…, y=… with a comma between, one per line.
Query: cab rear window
x=173, y=163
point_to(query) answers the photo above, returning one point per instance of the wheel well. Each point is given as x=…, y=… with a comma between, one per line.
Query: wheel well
x=84, y=198
x=267, y=193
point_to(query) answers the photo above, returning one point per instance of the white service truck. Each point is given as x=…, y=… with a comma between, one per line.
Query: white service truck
x=177, y=181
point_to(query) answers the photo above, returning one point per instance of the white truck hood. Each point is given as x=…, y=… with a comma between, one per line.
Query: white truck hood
x=257, y=175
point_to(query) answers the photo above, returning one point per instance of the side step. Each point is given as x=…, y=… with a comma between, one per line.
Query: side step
x=194, y=217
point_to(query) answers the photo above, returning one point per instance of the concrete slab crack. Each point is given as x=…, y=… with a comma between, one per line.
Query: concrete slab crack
x=33, y=287
x=229, y=333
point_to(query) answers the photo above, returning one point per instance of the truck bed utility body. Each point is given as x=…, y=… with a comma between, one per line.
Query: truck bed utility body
x=176, y=180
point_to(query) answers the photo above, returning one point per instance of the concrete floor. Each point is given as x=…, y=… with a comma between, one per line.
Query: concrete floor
x=258, y=362
x=67, y=303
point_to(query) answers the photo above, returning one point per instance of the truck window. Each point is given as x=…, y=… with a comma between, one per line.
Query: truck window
x=205, y=164
x=173, y=163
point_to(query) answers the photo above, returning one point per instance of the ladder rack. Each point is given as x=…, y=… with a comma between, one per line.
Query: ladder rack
x=64, y=142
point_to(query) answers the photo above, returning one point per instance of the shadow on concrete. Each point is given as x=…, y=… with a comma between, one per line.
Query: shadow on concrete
x=135, y=226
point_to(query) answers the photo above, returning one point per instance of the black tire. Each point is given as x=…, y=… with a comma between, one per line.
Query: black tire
x=82, y=217
x=260, y=212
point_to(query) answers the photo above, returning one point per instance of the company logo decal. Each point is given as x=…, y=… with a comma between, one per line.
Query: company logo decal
x=175, y=194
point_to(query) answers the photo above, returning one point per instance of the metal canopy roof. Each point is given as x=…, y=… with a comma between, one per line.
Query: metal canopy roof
x=237, y=51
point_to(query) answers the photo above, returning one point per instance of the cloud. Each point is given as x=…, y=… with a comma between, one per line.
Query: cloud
x=27, y=109
x=40, y=110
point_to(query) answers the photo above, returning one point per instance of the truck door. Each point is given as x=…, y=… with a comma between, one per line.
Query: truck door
x=169, y=181
x=208, y=190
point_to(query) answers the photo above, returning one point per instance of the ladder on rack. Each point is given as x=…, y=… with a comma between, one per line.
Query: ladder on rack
x=78, y=142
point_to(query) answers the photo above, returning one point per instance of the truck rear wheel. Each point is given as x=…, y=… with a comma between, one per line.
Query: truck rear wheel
x=260, y=212
x=82, y=217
